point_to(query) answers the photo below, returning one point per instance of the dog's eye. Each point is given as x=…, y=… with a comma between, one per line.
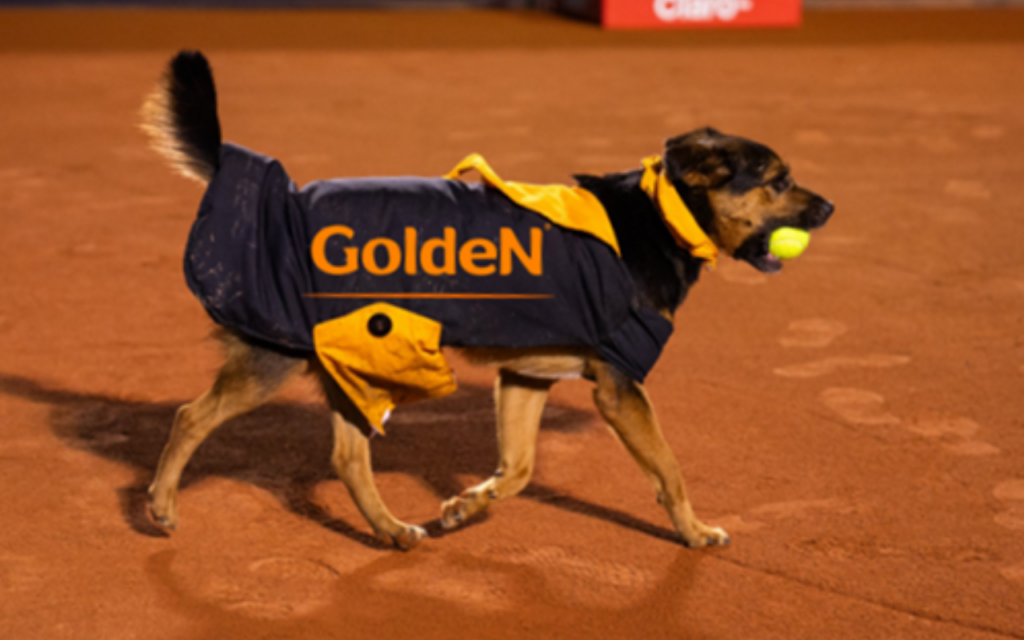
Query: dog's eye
x=781, y=183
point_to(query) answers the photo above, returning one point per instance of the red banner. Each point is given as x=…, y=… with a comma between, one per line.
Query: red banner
x=647, y=14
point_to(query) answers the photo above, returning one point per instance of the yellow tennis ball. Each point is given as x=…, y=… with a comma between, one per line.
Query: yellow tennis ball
x=787, y=243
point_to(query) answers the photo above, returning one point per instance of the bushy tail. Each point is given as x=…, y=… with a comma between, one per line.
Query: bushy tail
x=180, y=117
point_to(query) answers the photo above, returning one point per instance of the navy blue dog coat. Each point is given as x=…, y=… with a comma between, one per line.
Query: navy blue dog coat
x=375, y=275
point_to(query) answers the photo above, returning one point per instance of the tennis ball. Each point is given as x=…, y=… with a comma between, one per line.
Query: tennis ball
x=787, y=243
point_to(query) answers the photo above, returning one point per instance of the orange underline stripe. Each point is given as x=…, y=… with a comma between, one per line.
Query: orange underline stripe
x=436, y=296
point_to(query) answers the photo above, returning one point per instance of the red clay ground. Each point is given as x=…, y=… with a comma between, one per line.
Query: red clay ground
x=855, y=422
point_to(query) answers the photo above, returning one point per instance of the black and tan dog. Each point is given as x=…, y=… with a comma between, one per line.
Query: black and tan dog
x=734, y=192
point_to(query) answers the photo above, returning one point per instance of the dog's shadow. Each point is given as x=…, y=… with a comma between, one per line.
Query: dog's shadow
x=284, y=448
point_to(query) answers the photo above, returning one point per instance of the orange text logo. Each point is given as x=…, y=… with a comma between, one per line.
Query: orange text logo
x=443, y=256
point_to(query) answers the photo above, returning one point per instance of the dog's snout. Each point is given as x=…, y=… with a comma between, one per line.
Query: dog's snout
x=818, y=213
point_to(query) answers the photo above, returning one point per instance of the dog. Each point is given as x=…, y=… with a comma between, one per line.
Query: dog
x=655, y=229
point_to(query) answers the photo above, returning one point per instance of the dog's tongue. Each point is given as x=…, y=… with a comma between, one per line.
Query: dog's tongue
x=771, y=263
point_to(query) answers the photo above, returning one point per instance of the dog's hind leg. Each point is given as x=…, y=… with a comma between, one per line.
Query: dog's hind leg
x=519, y=404
x=351, y=461
x=625, y=405
x=249, y=376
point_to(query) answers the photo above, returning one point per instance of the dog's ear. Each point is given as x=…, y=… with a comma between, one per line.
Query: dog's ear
x=698, y=159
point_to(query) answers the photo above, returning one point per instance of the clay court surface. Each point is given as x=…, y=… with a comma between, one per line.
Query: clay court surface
x=856, y=422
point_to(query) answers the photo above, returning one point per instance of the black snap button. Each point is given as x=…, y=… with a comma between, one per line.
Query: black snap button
x=379, y=325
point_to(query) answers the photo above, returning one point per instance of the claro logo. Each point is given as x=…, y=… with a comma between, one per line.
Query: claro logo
x=700, y=10
x=442, y=256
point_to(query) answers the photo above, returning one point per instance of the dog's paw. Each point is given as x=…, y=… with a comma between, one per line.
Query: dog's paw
x=405, y=537
x=704, y=536
x=170, y=523
x=454, y=512
x=164, y=512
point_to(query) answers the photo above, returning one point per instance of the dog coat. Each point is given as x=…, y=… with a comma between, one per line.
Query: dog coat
x=375, y=275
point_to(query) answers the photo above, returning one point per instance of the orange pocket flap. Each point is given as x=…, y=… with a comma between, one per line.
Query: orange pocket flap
x=382, y=356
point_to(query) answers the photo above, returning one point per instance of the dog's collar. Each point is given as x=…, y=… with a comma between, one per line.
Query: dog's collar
x=679, y=219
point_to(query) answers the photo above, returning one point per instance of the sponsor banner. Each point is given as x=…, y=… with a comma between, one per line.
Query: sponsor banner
x=668, y=14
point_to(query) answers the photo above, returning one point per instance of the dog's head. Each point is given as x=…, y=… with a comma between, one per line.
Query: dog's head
x=740, y=191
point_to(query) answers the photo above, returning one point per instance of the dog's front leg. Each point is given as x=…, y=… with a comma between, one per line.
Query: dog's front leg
x=351, y=460
x=625, y=405
x=519, y=403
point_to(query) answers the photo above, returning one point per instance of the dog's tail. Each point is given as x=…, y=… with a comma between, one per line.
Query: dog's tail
x=180, y=116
